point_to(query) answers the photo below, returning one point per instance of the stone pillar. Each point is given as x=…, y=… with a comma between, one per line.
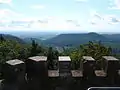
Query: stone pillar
x=100, y=74
x=53, y=79
x=88, y=70
x=111, y=68
x=65, y=71
x=64, y=66
x=37, y=72
x=100, y=78
x=53, y=75
x=14, y=75
x=77, y=80
x=77, y=76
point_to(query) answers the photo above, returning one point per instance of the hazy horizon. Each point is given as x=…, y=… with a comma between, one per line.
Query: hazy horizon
x=48, y=32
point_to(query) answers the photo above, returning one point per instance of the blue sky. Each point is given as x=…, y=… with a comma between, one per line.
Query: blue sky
x=60, y=15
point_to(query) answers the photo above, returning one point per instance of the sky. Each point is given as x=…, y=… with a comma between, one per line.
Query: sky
x=60, y=15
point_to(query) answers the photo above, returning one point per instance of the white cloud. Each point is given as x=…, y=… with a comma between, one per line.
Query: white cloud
x=7, y=13
x=75, y=22
x=48, y=23
x=38, y=6
x=96, y=21
x=114, y=4
x=94, y=13
x=53, y=23
x=5, y=1
x=95, y=17
x=102, y=21
x=111, y=19
x=9, y=2
x=8, y=18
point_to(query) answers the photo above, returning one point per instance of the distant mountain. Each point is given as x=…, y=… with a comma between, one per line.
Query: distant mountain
x=71, y=39
x=14, y=38
x=26, y=34
x=75, y=39
x=29, y=40
x=113, y=37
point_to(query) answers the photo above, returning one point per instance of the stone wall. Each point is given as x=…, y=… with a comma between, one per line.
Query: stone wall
x=33, y=74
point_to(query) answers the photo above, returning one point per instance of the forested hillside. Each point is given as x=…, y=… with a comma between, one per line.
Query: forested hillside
x=12, y=47
x=74, y=39
x=13, y=38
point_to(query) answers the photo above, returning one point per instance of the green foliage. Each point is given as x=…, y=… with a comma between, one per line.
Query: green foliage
x=94, y=49
x=2, y=38
x=52, y=56
x=10, y=50
x=75, y=56
x=34, y=48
